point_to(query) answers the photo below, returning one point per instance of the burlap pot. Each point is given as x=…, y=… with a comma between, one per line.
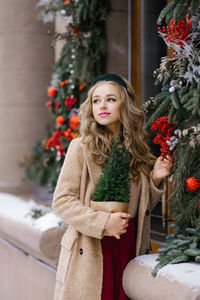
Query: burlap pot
x=109, y=206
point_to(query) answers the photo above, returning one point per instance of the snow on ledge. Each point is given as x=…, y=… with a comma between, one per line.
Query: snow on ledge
x=18, y=209
x=185, y=273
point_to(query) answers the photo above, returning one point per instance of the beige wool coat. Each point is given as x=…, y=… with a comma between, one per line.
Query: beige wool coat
x=80, y=267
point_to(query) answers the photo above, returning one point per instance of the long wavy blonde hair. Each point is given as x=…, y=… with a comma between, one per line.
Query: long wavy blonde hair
x=98, y=138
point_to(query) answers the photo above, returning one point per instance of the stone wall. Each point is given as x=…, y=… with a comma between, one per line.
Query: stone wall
x=26, y=60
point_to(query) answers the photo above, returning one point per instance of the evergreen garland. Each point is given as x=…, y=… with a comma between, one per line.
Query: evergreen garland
x=113, y=184
x=179, y=100
x=81, y=60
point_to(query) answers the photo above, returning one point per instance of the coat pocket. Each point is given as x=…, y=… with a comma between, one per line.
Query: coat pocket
x=67, y=243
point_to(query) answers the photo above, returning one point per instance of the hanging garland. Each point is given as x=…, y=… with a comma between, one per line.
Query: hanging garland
x=81, y=60
x=178, y=104
x=179, y=75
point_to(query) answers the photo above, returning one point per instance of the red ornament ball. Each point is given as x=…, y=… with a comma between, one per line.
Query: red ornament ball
x=62, y=83
x=52, y=92
x=60, y=120
x=74, y=122
x=192, y=184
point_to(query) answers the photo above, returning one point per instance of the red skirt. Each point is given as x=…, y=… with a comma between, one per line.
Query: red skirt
x=116, y=255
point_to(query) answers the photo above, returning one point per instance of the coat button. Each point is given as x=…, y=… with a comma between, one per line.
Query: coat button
x=81, y=251
x=147, y=212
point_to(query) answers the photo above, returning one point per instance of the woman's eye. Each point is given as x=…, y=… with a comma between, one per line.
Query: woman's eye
x=96, y=101
x=111, y=99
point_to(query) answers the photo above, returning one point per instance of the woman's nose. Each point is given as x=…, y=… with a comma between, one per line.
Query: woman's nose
x=103, y=104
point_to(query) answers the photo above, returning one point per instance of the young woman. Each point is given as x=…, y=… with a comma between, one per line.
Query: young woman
x=97, y=245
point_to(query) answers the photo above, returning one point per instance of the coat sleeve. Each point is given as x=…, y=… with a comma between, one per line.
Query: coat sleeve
x=157, y=188
x=66, y=202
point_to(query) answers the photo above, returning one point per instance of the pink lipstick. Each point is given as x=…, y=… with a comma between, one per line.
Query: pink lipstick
x=104, y=114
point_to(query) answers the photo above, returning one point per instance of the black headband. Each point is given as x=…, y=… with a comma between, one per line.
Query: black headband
x=111, y=77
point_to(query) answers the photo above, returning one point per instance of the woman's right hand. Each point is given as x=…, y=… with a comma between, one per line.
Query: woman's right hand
x=117, y=224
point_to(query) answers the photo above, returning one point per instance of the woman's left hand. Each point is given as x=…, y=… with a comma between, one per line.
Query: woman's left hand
x=162, y=167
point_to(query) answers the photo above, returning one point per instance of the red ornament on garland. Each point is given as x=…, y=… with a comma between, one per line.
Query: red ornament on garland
x=192, y=184
x=74, y=122
x=60, y=120
x=52, y=92
x=62, y=83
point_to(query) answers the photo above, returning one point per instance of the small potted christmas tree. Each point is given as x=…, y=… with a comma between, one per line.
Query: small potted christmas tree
x=112, y=190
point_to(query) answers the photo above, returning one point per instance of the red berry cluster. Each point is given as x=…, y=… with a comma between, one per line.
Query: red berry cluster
x=165, y=128
x=70, y=135
x=162, y=125
x=70, y=101
x=50, y=103
x=54, y=142
x=177, y=33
